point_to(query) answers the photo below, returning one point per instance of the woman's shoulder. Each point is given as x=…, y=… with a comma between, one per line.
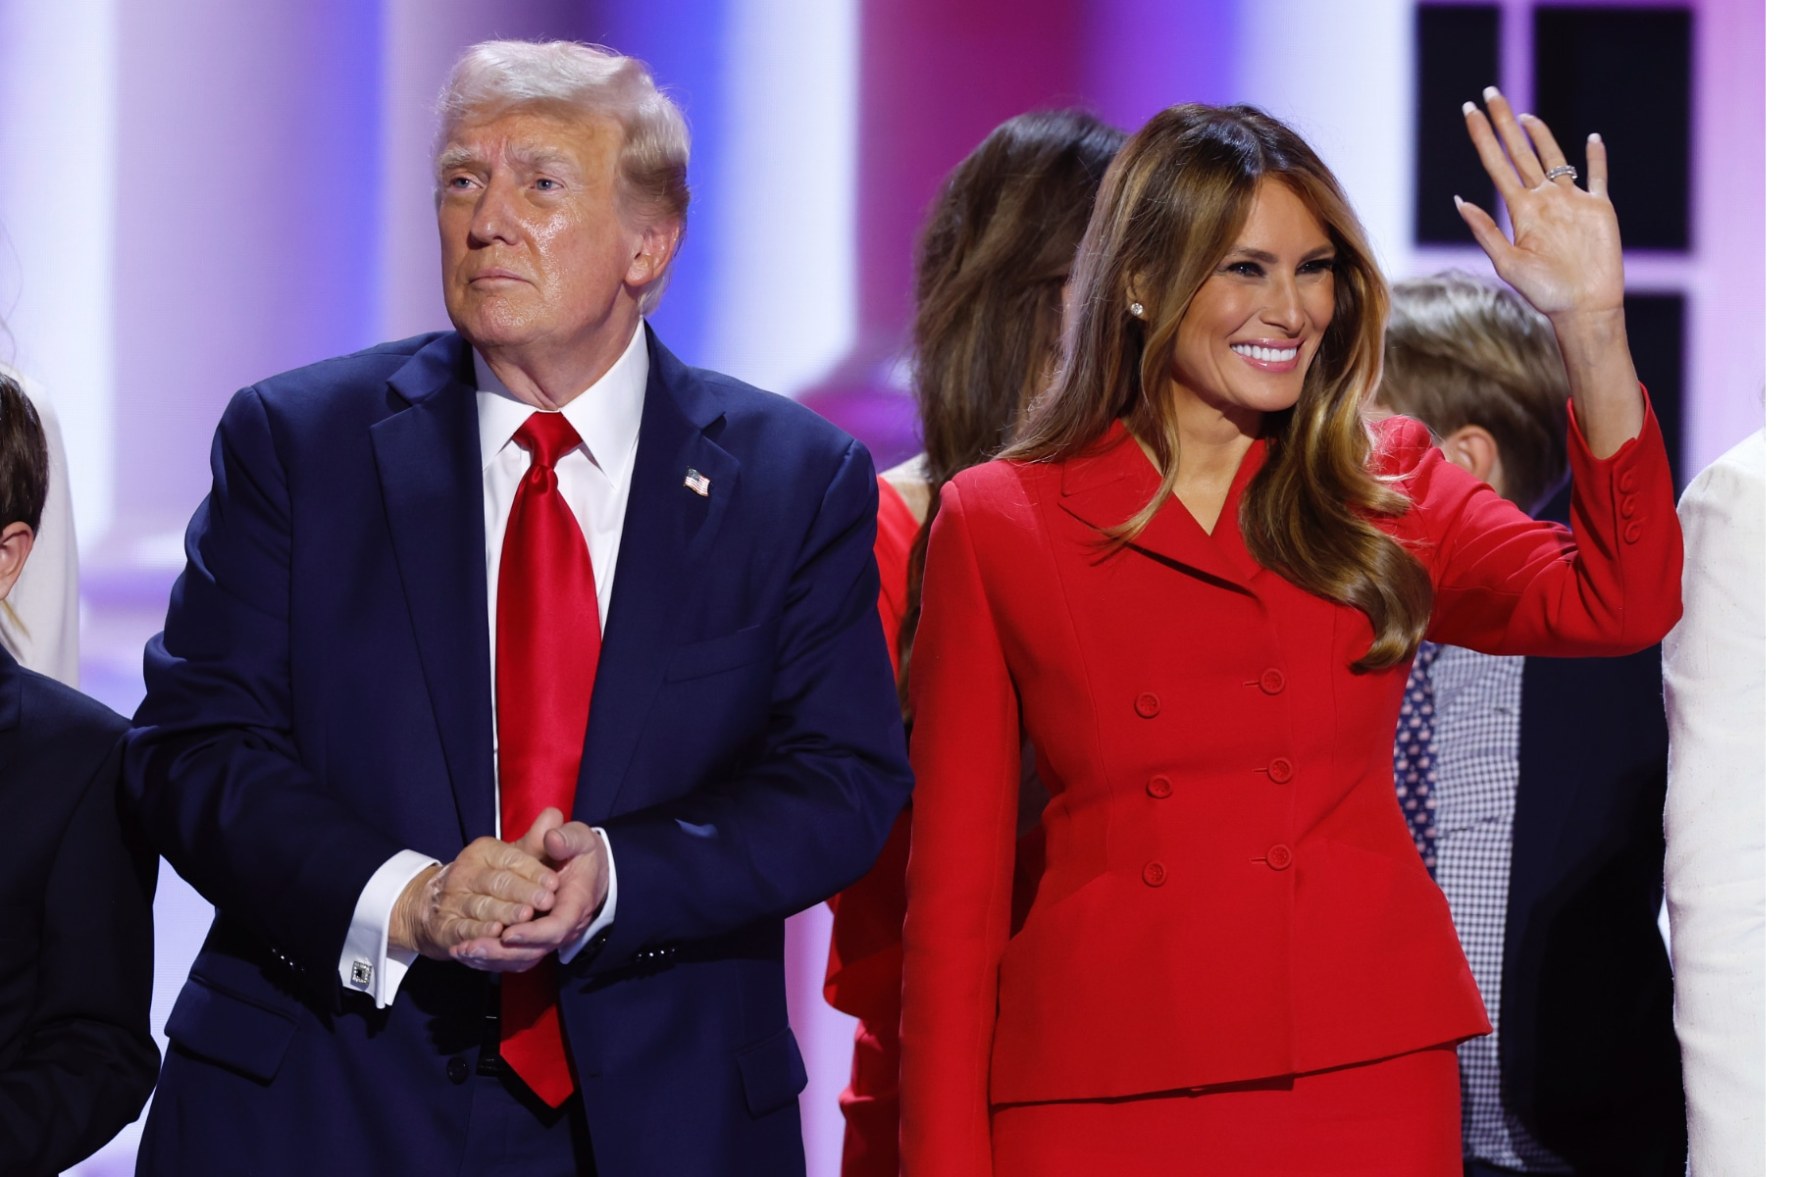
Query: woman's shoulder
x=906, y=487
x=999, y=484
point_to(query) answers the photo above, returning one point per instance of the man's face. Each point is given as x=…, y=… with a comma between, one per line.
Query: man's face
x=537, y=262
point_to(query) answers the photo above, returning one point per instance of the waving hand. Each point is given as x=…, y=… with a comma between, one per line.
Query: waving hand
x=1565, y=257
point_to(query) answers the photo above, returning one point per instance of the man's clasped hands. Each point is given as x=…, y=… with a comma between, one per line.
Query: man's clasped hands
x=504, y=906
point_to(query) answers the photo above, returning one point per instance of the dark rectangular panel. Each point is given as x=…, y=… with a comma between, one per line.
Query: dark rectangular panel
x=1457, y=57
x=1658, y=343
x=1628, y=74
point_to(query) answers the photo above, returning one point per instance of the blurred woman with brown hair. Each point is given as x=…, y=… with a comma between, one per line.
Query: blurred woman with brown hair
x=992, y=263
x=1195, y=583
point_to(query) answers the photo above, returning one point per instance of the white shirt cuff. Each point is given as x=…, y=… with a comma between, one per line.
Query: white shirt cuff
x=368, y=964
x=608, y=910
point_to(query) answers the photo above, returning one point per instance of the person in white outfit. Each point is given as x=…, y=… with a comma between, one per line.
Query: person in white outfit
x=38, y=622
x=1713, y=669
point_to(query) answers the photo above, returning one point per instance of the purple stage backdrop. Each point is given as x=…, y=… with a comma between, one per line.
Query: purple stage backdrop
x=202, y=192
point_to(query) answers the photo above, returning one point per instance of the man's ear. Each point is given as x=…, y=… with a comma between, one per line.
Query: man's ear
x=15, y=544
x=1474, y=449
x=655, y=249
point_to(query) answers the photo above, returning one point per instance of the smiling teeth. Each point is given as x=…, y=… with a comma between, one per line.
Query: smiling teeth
x=1269, y=355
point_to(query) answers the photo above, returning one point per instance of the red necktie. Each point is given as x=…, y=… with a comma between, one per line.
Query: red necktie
x=547, y=649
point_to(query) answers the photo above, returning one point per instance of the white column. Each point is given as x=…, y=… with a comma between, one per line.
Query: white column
x=57, y=128
x=786, y=257
x=1342, y=76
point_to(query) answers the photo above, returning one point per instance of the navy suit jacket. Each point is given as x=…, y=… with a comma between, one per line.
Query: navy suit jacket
x=320, y=699
x=1588, y=1057
x=76, y=1057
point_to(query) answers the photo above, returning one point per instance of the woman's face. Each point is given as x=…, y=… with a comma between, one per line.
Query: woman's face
x=1254, y=325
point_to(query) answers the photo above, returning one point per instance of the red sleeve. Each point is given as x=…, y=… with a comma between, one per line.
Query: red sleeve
x=862, y=969
x=965, y=753
x=895, y=529
x=1508, y=584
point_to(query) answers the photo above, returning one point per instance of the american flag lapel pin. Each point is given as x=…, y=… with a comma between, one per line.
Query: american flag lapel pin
x=698, y=483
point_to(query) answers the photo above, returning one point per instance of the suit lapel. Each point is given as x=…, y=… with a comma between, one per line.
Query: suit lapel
x=669, y=531
x=1112, y=480
x=429, y=462
x=11, y=690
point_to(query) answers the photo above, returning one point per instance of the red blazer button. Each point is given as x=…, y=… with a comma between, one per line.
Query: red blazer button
x=1148, y=706
x=1633, y=531
x=1627, y=481
x=1280, y=770
x=1273, y=682
x=1155, y=874
x=1160, y=786
x=1628, y=507
x=1280, y=857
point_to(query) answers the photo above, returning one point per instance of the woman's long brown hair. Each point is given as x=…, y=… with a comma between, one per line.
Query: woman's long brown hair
x=1170, y=209
x=992, y=263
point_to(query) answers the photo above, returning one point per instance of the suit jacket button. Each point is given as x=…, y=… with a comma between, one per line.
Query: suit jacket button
x=1628, y=506
x=1280, y=857
x=1280, y=770
x=457, y=1070
x=1627, y=481
x=1148, y=706
x=1160, y=786
x=1633, y=531
x=1273, y=682
x=1155, y=874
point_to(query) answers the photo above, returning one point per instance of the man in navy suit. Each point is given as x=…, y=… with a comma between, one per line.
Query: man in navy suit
x=1544, y=824
x=76, y=1057
x=470, y=584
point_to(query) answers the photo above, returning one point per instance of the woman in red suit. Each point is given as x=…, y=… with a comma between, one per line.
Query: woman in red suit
x=1196, y=584
x=992, y=262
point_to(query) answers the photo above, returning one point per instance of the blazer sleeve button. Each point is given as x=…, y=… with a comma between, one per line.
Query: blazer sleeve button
x=1280, y=857
x=1280, y=770
x=1155, y=874
x=1273, y=682
x=1160, y=787
x=1627, y=481
x=1633, y=531
x=1148, y=706
x=1628, y=506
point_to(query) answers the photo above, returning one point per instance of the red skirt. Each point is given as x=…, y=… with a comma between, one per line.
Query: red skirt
x=1397, y=1117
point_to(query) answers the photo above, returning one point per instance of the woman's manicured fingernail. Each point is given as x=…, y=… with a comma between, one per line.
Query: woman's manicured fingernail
x=1490, y=93
x=1467, y=108
x=1458, y=202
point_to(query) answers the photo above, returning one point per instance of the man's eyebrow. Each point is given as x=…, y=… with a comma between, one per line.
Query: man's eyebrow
x=528, y=157
x=454, y=158
x=521, y=158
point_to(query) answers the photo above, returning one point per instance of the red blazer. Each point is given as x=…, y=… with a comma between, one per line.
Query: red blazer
x=862, y=974
x=1230, y=889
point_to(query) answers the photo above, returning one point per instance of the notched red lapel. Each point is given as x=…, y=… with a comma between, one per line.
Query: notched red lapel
x=1113, y=479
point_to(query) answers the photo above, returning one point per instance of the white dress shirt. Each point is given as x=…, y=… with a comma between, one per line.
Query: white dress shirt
x=595, y=480
x=40, y=622
x=1713, y=673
